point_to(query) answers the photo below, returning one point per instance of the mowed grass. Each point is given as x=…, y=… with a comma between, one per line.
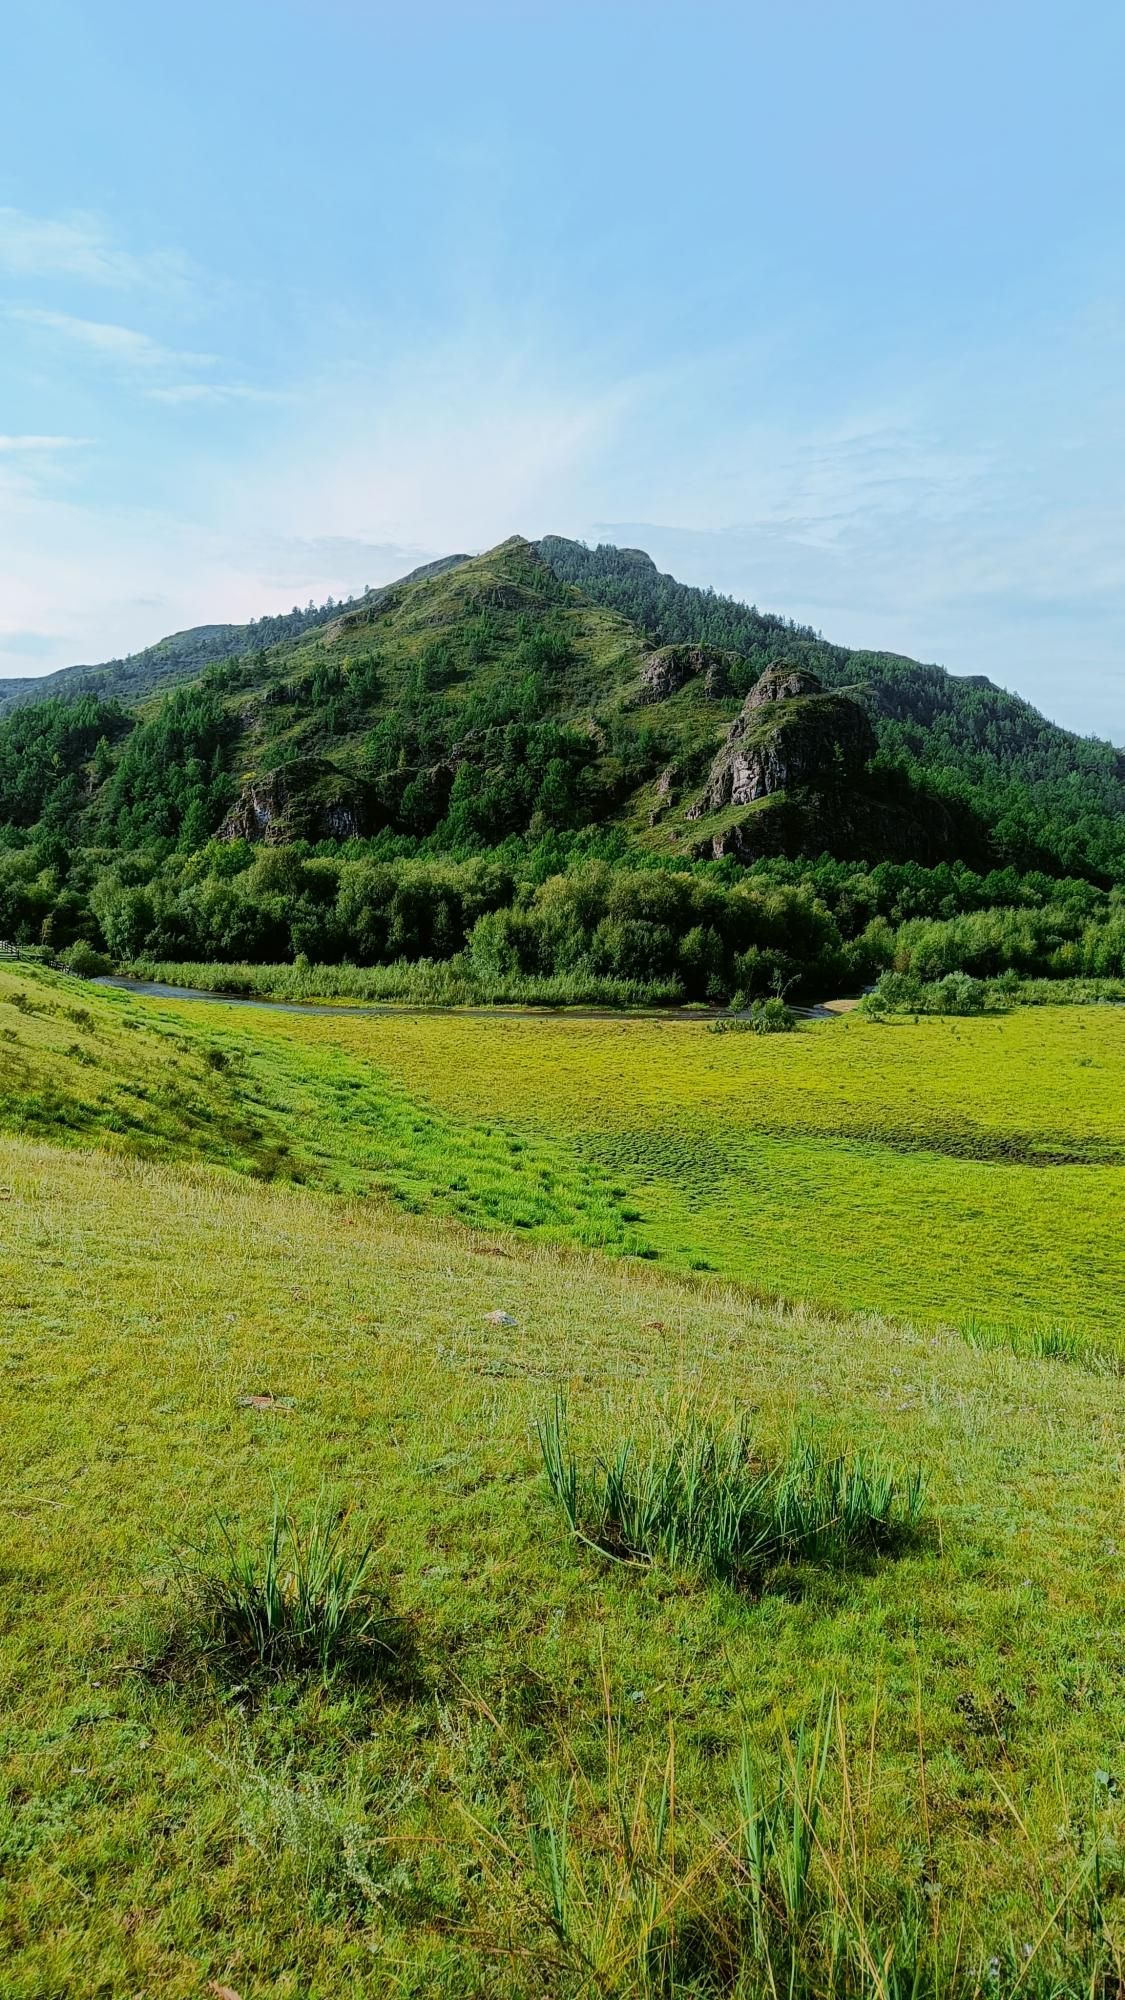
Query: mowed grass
x=589, y=1750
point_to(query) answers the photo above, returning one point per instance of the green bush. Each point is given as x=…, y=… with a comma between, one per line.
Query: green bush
x=957, y=993
x=84, y=962
x=763, y=1017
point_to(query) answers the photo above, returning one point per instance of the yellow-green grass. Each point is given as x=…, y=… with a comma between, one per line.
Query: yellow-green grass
x=80, y=1063
x=160, y=1830
x=957, y=1170
x=965, y=1171
x=962, y=1172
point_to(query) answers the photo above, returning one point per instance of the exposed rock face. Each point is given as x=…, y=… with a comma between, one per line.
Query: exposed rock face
x=664, y=789
x=888, y=822
x=781, y=682
x=671, y=667
x=308, y=799
x=788, y=733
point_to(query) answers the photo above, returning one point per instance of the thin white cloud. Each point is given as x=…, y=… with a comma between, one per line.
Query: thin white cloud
x=451, y=448
x=80, y=246
x=215, y=392
x=41, y=443
x=907, y=523
x=122, y=345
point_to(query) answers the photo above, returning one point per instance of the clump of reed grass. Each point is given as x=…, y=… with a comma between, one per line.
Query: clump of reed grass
x=791, y=1897
x=304, y=1599
x=1043, y=1340
x=701, y=1498
x=423, y=982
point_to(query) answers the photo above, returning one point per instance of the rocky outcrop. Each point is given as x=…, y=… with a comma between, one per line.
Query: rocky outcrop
x=665, y=790
x=781, y=682
x=888, y=820
x=788, y=733
x=308, y=799
x=670, y=668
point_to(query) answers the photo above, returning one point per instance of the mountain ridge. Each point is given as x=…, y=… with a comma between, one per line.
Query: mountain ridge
x=618, y=782
x=385, y=707
x=180, y=655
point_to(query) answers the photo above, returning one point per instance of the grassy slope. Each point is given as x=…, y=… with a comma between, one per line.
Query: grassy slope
x=178, y=657
x=83, y=1064
x=950, y=1171
x=505, y=584
x=156, y=1834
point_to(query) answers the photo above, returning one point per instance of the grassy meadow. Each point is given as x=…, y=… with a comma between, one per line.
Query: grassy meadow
x=350, y=1265
x=962, y=1172
x=952, y=1170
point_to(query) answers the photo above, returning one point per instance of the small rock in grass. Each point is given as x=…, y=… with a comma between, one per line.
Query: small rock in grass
x=500, y=1318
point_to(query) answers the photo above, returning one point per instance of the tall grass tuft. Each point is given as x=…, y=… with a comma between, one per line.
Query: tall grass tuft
x=1043, y=1341
x=700, y=1498
x=779, y=1832
x=303, y=1600
x=793, y=1897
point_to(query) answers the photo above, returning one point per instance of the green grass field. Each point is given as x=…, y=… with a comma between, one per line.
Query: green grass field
x=199, y=1206
x=949, y=1172
x=952, y=1170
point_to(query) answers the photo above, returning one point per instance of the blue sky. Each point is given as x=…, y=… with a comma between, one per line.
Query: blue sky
x=821, y=303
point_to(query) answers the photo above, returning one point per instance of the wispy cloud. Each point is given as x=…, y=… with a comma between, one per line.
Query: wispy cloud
x=41, y=443
x=216, y=392
x=136, y=355
x=79, y=245
x=338, y=563
x=123, y=346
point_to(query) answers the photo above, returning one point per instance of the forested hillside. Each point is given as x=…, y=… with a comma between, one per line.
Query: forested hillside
x=1035, y=782
x=617, y=788
x=184, y=654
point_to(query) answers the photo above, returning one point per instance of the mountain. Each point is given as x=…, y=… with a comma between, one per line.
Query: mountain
x=1037, y=785
x=481, y=699
x=183, y=655
x=617, y=782
x=1046, y=797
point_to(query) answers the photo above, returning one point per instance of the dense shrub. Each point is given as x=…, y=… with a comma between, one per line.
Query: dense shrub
x=762, y=1017
x=84, y=962
x=957, y=993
